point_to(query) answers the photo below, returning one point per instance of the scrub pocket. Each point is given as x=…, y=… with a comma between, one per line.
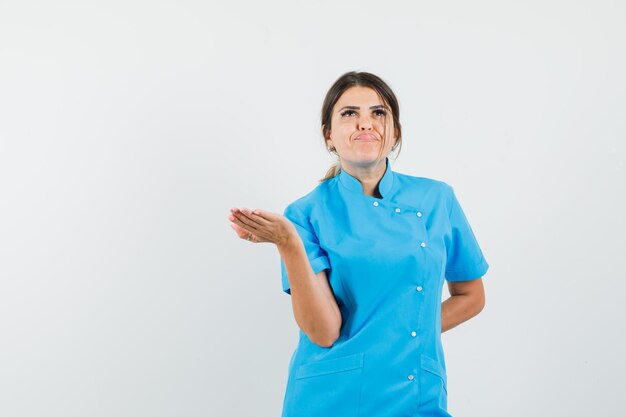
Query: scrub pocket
x=329, y=387
x=433, y=385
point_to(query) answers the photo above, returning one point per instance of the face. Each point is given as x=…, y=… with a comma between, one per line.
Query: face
x=358, y=127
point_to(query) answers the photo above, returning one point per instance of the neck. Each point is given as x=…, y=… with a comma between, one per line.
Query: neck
x=368, y=175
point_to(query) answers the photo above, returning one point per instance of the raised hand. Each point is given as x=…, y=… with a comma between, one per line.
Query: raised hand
x=262, y=226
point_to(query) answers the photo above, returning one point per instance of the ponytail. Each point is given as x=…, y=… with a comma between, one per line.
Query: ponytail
x=332, y=172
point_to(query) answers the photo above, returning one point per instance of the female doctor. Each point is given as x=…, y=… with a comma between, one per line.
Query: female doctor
x=364, y=257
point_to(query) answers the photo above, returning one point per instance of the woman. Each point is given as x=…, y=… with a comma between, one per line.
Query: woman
x=364, y=257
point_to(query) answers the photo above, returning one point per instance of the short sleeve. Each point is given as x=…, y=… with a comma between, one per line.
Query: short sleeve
x=465, y=260
x=318, y=258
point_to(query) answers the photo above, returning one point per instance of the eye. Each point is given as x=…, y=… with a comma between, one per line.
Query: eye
x=380, y=113
x=347, y=113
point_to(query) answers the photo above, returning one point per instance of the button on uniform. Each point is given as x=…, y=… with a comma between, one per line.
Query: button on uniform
x=413, y=333
x=411, y=377
x=375, y=203
x=418, y=288
x=419, y=214
x=423, y=244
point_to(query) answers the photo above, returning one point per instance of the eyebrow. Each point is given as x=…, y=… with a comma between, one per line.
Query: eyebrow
x=376, y=107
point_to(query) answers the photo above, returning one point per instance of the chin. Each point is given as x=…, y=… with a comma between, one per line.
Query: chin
x=367, y=159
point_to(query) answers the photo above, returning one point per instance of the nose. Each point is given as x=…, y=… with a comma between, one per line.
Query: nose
x=365, y=123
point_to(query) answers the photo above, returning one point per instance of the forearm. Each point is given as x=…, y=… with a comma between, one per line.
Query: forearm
x=313, y=311
x=459, y=308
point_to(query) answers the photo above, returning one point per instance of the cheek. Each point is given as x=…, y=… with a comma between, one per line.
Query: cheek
x=342, y=131
x=388, y=131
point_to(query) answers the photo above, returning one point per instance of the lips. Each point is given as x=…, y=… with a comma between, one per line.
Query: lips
x=366, y=137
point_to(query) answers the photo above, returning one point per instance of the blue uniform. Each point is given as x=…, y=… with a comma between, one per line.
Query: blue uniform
x=386, y=260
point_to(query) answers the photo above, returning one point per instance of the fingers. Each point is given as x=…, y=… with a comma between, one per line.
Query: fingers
x=243, y=223
x=252, y=218
x=262, y=214
x=241, y=232
x=245, y=235
x=257, y=216
x=253, y=225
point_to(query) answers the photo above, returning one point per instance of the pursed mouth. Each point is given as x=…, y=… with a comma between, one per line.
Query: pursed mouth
x=366, y=137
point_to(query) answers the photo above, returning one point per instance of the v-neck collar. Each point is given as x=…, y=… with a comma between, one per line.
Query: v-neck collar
x=353, y=184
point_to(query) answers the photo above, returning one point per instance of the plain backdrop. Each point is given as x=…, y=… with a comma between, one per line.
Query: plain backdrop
x=130, y=128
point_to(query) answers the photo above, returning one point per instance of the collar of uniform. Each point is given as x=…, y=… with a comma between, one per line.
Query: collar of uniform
x=353, y=184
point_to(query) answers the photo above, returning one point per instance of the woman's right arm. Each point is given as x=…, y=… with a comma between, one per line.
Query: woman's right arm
x=314, y=306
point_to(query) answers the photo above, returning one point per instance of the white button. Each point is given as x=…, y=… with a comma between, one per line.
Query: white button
x=397, y=210
x=419, y=214
x=413, y=334
x=418, y=288
x=423, y=244
x=376, y=203
x=411, y=377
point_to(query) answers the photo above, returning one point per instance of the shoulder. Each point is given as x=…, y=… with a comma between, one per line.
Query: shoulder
x=431, y=192
x=423, y=185
x=314, y=198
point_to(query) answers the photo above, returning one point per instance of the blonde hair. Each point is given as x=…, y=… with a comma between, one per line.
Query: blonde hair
x=332, y=172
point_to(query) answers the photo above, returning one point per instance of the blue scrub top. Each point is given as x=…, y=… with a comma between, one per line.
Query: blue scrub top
x=386, y=260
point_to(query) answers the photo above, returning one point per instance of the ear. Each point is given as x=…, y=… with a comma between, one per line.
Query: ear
x=395, y=141
x=323, y=133
x=326, y=138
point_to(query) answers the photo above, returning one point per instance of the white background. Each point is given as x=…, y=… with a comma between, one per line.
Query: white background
x=129, y=129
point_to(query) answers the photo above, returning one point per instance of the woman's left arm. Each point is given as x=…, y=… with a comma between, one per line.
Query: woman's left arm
x=467, y=299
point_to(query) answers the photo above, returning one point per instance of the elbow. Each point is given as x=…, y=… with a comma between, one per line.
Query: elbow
x=480, y=307
x=324, y=333
x=480, y=303
x=326, y=338
x=325, y=341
